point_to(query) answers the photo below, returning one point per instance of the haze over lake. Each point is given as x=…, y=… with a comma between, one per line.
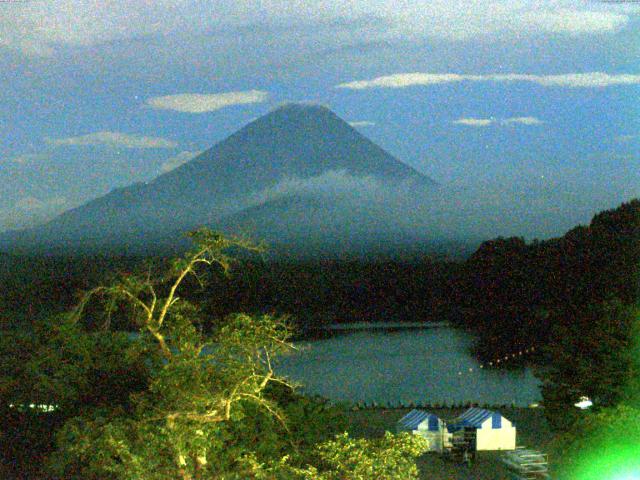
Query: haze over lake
x=427, y=365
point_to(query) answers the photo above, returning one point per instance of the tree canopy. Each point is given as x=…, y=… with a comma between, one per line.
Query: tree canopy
x=166, y=398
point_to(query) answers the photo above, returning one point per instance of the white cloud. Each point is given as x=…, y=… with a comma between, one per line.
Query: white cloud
x=30, y=157
x=113, y=139
x=362, y=123
x=465, y=20
x=495, y=207
x=333, y=183
x=623, y=156
x=39, y=28
x=200, y=103
x=613, y=155
x=570, y=80
x=522, y=121
x=475, y=122
x=402, y=80
x=485, y=122
x=181, y=158
x=576, y=80
x=575, y=22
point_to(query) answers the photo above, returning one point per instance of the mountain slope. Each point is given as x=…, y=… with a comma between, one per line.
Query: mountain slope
x=315, y=224
x=292, y=142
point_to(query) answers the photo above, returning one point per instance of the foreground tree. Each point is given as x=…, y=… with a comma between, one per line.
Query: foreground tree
x=592, y=355
x=199, y=386
x=63, y=371
x=391, y=457
x=599, y=445
x=142, y=392
x=602, y=442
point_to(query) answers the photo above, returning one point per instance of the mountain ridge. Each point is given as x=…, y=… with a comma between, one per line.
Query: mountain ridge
x=294, y=141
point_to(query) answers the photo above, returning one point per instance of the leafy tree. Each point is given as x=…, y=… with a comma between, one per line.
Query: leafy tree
x=391, y=457
x=500, y=298
x=513, y=293
x=592, y=356
x=171, y=400
x=199, y=386
x=59, y=364
x=599, y=445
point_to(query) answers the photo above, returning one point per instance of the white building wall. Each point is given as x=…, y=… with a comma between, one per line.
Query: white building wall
x=503, y=438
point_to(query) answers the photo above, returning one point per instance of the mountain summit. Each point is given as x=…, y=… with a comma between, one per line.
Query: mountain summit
x=295, y=140
x=294, y=144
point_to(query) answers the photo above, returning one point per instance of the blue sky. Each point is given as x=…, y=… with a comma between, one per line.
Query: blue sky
x=535, y=99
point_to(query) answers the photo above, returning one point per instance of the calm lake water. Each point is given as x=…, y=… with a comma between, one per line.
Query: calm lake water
x=426, y=365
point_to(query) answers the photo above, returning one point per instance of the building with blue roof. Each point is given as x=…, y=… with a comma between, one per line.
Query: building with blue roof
x=427, y=425
x=493, y=431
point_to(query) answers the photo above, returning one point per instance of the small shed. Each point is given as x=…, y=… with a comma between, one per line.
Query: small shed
x=492, y=430
x=427, y=425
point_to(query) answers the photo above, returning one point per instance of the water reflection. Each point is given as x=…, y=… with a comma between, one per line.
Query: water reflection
x=411, y=365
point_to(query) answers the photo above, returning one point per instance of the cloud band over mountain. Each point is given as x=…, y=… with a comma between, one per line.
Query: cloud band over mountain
x=177, y=160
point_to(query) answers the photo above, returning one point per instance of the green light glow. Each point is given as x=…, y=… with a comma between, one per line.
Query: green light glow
x=606, y=444
x=610, y=463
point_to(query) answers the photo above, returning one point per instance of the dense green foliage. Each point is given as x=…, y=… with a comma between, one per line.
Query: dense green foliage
x=513, y=293
x=575, y=297
x=312, y=293
x=58, y=363
x=322, y=293
x=600, y=445
x=391, y=457
x=593, y=356
x=171, y=399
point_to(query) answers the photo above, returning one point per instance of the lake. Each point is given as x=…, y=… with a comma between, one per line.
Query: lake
x=420, y=365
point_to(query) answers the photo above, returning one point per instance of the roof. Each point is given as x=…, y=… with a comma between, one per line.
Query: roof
x=415, y=417
x=475, y=417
